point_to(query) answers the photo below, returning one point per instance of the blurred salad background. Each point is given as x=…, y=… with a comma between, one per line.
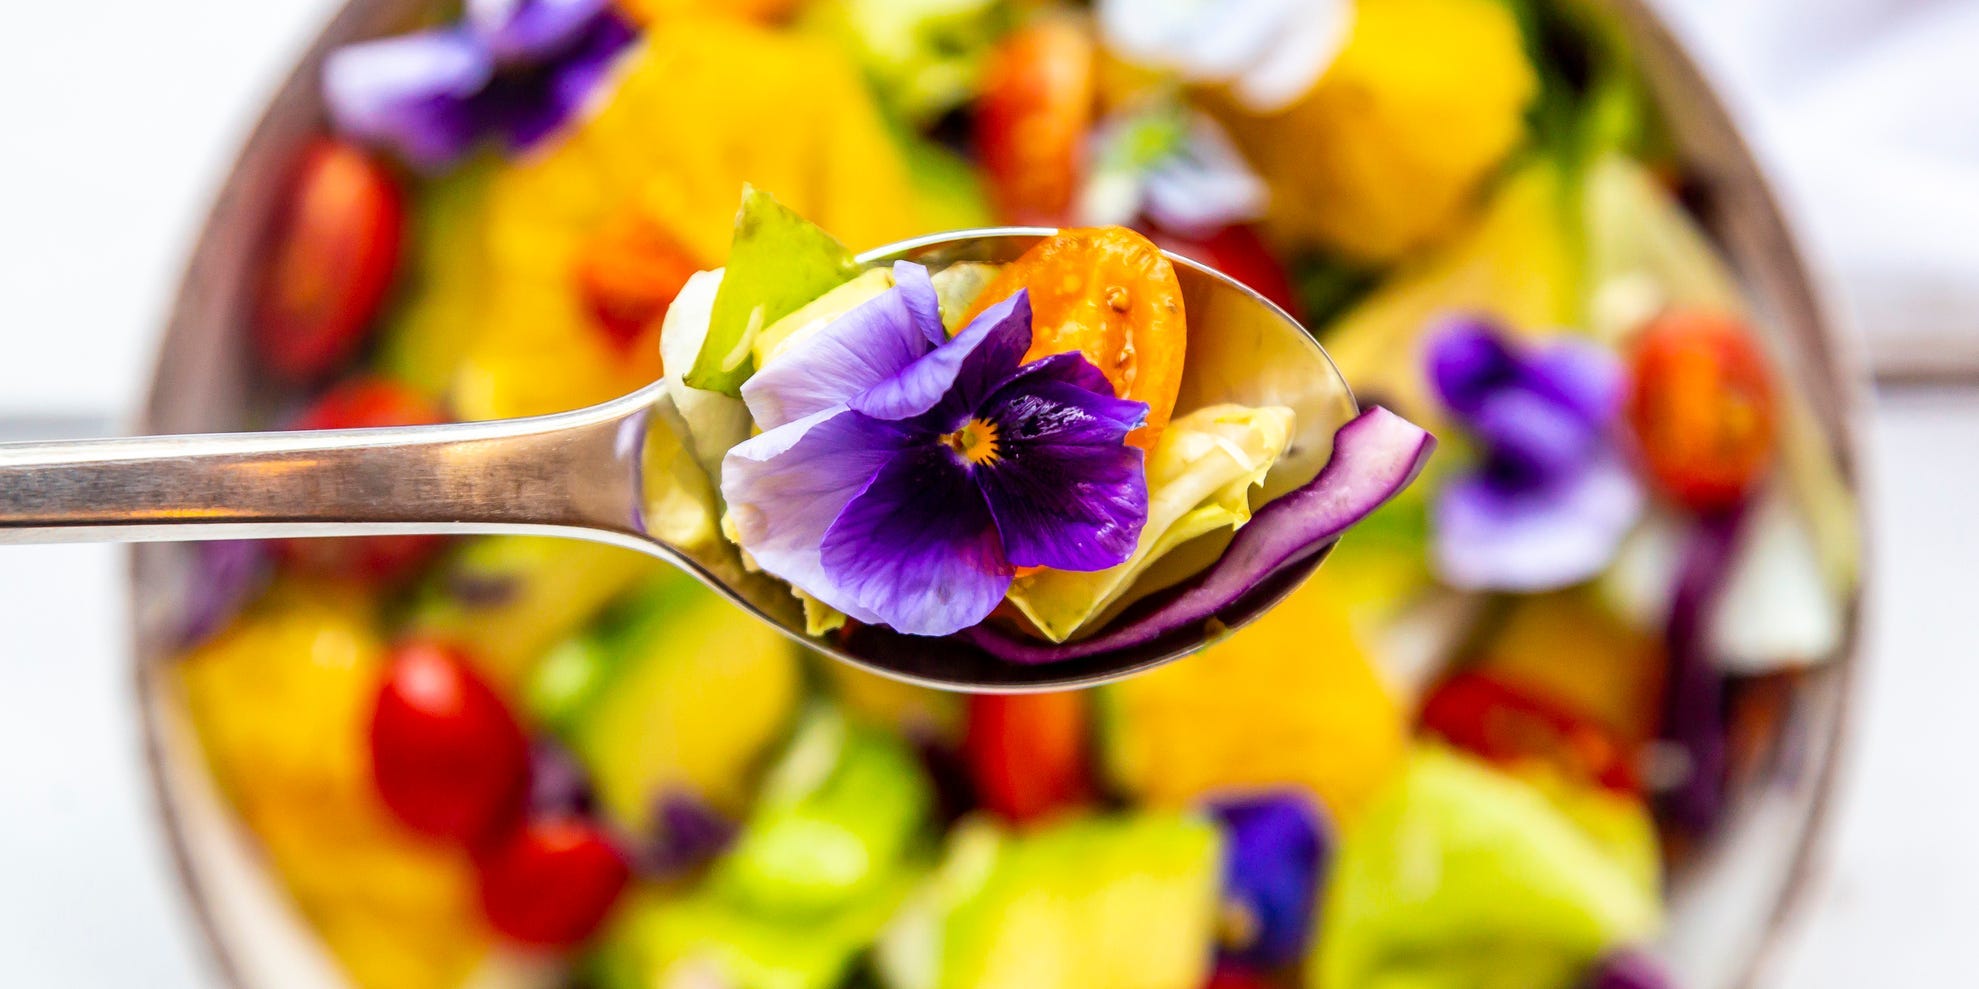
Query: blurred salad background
x=126, y=111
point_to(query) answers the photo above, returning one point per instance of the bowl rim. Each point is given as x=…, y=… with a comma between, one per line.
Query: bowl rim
x=1839, y=366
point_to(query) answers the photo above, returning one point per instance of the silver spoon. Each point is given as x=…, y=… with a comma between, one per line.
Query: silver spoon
x=582, y=474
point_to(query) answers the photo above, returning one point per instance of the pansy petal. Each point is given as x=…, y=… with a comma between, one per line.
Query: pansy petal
x=1070, y=367
x=856, y=351
x=530, y=29
x=412, y=93
x=1066, y=491
x=1489, y=538
x=1533, y=435
x=785, y=488
x=1275, y=851
x=919, y=292
x=918, y=547
x=528, y=106
x=960, y=374
x=1580, y=375
x=1468, y=361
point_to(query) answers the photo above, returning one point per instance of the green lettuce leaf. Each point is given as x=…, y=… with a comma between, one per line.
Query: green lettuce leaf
x=1199, y=478
x=777, y=262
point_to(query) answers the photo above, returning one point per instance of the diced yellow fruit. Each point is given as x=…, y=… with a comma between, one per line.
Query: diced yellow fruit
x=1385, y=154
x=281, y=702
x=1566, y=648
x=397, y=911
x=701, y=105
x=655, y=11
x=1289, y=701
x=893, y=704
x=1517, y=264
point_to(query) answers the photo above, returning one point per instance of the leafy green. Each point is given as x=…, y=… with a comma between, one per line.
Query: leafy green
x=777, y=262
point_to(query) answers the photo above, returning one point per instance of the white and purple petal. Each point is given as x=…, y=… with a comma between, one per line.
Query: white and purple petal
x=864, y=347
x=1579, y=375
x=1066, y=490
x=1538, y=437
x=530, y=30
x=961, y=374
x=918, y=547
x=786, y=487
x=414, y=94
x=1491, y=537
x=918, y=290
x=529, y=103
x=1468, y=361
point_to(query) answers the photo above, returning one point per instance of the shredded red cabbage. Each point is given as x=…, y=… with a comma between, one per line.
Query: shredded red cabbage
x=1374, y=457
x=1694, y=701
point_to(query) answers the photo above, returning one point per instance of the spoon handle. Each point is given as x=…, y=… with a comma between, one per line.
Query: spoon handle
x=576, y=470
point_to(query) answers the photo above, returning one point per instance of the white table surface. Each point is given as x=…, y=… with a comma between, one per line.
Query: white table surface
x=100, y=182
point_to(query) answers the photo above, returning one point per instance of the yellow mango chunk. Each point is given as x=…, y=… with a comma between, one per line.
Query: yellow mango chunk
x=1291, y=700
x=1386, y=152
x=701, y=106
x=281, y=703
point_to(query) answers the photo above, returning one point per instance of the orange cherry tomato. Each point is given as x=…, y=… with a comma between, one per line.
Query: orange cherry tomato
x=335, y=249
x=1702, y=407
x=447, y=756
x=1108, y=293
x=1506, y=725
x=552, y=882
x=357, y=404
x=628, y=275
x=1032, y=119
x=1027, y=752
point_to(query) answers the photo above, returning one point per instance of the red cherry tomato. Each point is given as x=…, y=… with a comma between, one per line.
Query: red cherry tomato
x=358, y=404
x=1238, y=251
x=1032, y=119
x=1509, y=726
x=447, y=756
x=552, y=882
x=1701, y=405
x=335, y=249
x=1237, y=978
x=1027, y=752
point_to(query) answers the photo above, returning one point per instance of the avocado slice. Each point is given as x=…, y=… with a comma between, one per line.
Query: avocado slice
x=821, y=866
x=1114, y=902
x=1465, y=877
x=835, y=817
x=692, y=697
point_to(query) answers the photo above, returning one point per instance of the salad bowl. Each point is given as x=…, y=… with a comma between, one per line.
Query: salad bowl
x=1729, y=902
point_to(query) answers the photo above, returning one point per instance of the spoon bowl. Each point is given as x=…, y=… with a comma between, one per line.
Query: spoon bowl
x=617, y=472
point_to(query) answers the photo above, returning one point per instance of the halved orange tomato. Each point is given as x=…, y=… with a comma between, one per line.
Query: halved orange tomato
x=1032, y=119
x=1108, y=293
x=1702, y=406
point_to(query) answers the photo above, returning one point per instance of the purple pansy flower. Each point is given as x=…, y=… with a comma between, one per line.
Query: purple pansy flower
x=1551, y=495
x=902, y=475
x=1275, y=850
x=517, y=68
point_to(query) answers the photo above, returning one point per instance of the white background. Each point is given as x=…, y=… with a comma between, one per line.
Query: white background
x=115, y=117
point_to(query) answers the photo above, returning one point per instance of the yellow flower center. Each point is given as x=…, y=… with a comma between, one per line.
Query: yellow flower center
x=974, y=442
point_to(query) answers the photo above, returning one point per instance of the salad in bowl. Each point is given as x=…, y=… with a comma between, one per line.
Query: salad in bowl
x=1508, y=735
